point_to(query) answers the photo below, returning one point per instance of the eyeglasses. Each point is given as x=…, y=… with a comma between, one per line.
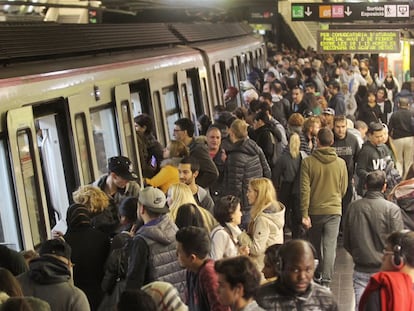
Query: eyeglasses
x=386, y=252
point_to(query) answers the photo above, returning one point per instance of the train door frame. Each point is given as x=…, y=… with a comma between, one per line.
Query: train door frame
x=27, y=176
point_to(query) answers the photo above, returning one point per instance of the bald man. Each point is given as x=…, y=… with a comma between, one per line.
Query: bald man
x=296, y=267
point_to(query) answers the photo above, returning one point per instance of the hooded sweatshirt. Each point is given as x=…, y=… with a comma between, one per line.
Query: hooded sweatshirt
x=324, y=180
x=49, y=279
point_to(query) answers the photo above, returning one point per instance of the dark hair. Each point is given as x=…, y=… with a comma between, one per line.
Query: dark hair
x=265, y=106
x=272, y=254
x=128, y=208
x=136, y=299
x=405, y=239
x=186, y=124
x=375, y=180
x=261, y=115
x=384, y=90
x=325, y=137
x=240, y=270
x=144, y=120
x=205, y=122
x=340, y=118
x=375, y=127
x=189, y=215
x=254, y=105
x=195, y=165
x=194, y=240
x=224, y=208
x=335, y=84
x=266, y=96
x=9, y=284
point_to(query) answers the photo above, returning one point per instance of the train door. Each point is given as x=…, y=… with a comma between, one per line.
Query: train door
x=28, y=180
x=235, y=77
x=218, y=83
x=10, y=234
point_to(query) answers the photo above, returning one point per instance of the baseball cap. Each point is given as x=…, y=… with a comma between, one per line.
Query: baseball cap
x=329, y=111
x=57, y=247
x=154, y=200
x=122, y=167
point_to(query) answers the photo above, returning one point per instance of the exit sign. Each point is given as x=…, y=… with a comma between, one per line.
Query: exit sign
x=340, y=12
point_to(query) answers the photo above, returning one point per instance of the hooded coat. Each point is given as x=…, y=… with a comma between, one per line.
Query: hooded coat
x=49, y=279
x=324, y=175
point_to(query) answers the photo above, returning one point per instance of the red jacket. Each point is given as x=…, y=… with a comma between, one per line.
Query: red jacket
x=395, y=290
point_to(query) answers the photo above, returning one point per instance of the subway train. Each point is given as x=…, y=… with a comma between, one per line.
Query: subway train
x=69, y=93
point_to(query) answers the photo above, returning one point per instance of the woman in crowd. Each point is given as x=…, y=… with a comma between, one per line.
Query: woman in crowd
x=224, y=237
x=168, y=175
x=384, y=103
x=180, y=194
x=90, y=248
x=287, y=175
x=189, y=215
x=369, y=112
x=271, y=262
x=267, y=218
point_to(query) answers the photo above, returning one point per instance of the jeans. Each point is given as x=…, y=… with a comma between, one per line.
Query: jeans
x=323, y=235
x=360, y=280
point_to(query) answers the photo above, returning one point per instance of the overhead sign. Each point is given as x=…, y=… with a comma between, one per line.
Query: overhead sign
x=353, y=41
x=340, y=12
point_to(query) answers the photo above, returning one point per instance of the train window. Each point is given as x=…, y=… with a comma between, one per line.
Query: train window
x=104, y=137
x=159, y=126
x=31, y=191
x=85, y=161
x=204, y=92
x=9, y=234
x=172, y=110
x=136, y=103
x=128, y=130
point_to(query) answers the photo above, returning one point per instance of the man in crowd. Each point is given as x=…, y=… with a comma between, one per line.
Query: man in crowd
x=347, y=148
x=294, y=289
x=188, y=170
x=118, y=184
x=50, y=278
x=184, y=131
x=152, y=251
x=373, y=218
x=393, y=288
x=193, y=247
x=324, y=175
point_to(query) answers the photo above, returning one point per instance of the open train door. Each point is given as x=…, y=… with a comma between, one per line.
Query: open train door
x=127, y=135
x=28, y=179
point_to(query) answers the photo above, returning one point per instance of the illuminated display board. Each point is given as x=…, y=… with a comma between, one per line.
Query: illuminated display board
x=353, y=41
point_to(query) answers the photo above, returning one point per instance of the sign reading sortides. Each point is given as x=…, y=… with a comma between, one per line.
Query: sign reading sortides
x=346, y=12
x=352, y=41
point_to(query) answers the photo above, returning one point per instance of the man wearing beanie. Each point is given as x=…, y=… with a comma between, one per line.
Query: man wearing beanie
x=50, y=278
x=152, y=253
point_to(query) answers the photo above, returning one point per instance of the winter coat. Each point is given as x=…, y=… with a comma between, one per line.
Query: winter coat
x=152, y=255
x=208, y=173
x=245, y=161
x=403, y=196
x=49, y=279
x=167, y=176
x=265, y=230
x=337, y=103
x=374, y=218
x=324, y=175
x=90, y=248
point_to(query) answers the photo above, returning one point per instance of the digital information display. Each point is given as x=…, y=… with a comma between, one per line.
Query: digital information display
x=353, y=41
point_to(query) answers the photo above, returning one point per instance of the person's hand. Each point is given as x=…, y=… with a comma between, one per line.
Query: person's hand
x=57, y=234
x=244, y=250
x=306, y=222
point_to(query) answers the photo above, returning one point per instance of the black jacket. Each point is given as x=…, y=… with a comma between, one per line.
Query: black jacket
x=208, y=173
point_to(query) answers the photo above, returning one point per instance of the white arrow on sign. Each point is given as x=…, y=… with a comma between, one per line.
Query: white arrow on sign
x=348, y=12
x=308, y=12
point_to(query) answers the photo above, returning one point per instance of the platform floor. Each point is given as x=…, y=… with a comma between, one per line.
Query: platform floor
x=341, y=284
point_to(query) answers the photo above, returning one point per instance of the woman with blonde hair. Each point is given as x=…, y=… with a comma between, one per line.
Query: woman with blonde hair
x=287, y=175
x=168, y=174
x=180, y=194
x=267, y=219
x=96, y=201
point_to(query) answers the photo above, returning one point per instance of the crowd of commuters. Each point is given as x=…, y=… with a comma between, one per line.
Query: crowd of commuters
x=309, y=148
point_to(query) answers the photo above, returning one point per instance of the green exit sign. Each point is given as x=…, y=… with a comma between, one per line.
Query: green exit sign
x=298, y=11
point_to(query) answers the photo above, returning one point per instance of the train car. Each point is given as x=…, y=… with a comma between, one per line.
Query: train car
x=68, y=95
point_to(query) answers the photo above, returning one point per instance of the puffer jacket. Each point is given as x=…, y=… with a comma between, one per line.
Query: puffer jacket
x=403, y=196
x=372, y=217
x=265, y=230
x=245, y=161
x=49, y=279
x=276, y=296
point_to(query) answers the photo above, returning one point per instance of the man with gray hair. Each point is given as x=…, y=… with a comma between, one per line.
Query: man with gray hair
x=374, y=218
